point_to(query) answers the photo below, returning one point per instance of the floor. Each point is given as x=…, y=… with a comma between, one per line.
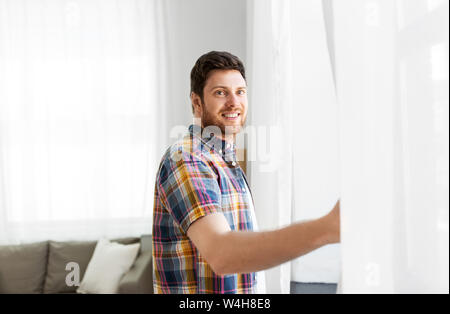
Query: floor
x=313, y=288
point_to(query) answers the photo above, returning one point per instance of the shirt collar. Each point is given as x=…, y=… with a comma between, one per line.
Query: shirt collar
x=220, y=146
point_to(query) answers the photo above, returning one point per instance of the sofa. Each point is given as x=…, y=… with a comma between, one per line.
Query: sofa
x=41, y=267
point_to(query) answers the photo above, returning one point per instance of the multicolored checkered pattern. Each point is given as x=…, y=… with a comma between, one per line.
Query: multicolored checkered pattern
x=197, y=176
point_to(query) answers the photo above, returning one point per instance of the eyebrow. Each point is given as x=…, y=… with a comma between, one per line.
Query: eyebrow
x=220, y=86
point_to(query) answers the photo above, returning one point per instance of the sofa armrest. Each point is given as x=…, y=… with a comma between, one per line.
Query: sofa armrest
x=139, y=279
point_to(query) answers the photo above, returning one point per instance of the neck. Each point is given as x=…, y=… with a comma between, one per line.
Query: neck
x=229, y=138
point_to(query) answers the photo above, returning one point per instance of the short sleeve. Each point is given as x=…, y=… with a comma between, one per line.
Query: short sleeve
x=189, y=188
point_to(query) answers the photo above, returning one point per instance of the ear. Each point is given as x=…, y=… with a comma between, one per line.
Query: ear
x=197, y=104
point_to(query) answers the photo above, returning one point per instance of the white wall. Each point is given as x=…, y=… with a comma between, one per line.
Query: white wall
x=194, y=28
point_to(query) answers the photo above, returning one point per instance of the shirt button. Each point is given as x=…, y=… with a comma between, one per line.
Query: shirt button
x=243, y=189
x=233, y=163
x=220, y=151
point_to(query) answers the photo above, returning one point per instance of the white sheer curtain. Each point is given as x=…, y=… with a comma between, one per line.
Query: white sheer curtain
x=392, y=84
x=82, y=117
x=294, y=170
x=270, y=177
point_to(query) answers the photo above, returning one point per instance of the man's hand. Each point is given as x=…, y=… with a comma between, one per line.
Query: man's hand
x=334, y=223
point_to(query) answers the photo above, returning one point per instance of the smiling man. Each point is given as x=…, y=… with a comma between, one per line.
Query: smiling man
x=205, y=238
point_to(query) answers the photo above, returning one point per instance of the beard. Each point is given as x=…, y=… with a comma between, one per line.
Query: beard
x=211, y=120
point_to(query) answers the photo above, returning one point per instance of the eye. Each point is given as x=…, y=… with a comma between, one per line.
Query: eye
x=241, y=92
x=220, y=92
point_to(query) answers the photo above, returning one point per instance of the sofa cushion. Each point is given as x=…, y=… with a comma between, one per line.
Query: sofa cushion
x=22, y=267
x=109, y=263
x=62, y=253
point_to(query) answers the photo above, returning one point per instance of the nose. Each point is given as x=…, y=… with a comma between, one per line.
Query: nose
x=233, y=101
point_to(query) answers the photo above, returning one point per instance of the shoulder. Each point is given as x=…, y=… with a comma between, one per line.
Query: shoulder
x=187, y=150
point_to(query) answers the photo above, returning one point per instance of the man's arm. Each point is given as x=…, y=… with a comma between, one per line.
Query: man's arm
x=231, y=252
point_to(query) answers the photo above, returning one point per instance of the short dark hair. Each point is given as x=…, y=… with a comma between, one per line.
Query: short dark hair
x=213, y=60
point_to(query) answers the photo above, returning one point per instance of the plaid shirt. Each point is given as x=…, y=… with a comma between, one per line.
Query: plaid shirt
x=197, y=177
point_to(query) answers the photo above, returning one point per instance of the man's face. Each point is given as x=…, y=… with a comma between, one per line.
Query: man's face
x=224, y=102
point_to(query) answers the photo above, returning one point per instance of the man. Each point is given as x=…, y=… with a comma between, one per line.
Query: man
x=204, y=238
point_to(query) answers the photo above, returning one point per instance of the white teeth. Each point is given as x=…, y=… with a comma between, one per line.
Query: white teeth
x=231, y=115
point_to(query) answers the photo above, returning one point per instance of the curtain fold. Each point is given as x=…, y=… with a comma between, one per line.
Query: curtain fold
x=293, y=128
x=82, y=105
x=269, y=42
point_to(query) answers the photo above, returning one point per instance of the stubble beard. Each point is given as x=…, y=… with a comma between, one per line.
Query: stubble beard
x=209, y=120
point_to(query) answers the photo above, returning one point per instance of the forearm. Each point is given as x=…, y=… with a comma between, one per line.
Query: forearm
x=244, y=252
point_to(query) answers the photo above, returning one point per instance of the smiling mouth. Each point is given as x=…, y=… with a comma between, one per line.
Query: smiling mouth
x=231, y=116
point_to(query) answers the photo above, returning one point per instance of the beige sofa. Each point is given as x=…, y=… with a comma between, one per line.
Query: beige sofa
x=41, y=267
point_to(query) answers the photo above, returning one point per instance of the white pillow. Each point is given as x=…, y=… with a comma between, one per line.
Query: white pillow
x=108, y=264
